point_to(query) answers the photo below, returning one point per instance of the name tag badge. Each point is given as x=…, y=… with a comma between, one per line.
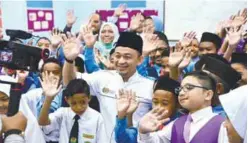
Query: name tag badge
x=107, y=91
x=88, y=136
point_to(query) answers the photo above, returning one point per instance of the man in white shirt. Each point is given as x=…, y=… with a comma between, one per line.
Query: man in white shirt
x=105, y=84
x=200, y=125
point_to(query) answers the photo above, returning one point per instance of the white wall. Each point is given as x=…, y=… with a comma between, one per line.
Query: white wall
x=180, y=15
x=198, y=15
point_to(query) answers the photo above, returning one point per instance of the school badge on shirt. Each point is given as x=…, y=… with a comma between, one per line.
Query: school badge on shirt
x=73, y=140
x=105, y=90
x=88, y=136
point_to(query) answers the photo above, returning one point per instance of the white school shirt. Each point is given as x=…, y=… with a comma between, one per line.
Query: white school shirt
x=91, y=125
x=32, y=98
x=105, y=83
x=235, y=106
x=200, y=118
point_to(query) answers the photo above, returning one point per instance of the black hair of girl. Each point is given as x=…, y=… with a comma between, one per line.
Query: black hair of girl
x=77, y=86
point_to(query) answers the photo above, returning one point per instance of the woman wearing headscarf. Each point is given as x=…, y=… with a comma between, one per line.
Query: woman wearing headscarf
x=108, y=35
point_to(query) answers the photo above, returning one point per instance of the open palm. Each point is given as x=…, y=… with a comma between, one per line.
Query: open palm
x=175, y=58
x=88, y=37
x=70, y=17
x=72, y=47
x=50, y=84
x=152, y=120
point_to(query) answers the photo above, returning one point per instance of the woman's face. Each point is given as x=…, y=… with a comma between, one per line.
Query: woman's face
x=107, y=34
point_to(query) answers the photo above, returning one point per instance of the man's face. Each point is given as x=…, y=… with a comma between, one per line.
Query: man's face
x=233, y=136
x=4, y=103
x=52, y=68
x=107, y=34
x=194, y=48
x=164, y=99
x=165, y=66
x=78, y=103
x=140, y=28
x=43, y=44
x=126, y=60
x=192, y=98
x=149, y=25
x=243, y=71
x=95, y=22
x=157, y=52
x=207, y=48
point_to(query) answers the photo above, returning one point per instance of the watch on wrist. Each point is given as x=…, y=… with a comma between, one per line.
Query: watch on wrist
x=69, y=61
x=11, y=132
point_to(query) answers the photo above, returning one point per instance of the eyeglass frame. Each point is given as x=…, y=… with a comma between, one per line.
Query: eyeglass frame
x=179, y=89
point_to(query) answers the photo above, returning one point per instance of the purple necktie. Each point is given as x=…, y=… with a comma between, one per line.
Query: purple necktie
x=186, y=131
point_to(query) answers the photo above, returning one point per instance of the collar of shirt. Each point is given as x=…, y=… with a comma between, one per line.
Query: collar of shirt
x=198, y=115
x=82, y=116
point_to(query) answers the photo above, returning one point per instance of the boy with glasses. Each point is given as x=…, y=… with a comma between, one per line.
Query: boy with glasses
x=200, y=125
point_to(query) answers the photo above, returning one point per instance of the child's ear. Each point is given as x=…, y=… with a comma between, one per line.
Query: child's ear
x=210, y=95
x=67, y=100
x=90, y=97
x=219, y=88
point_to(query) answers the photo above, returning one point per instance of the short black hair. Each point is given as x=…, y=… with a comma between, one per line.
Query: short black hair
x=76, y=86
x=51, y=60
x=205, y=79
x=148, y=17
x=45, y=38
x=162, y=37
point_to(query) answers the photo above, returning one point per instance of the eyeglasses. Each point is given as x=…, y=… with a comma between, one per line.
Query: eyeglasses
x=188, y=87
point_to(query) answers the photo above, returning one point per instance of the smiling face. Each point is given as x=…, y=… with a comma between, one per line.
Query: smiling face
x=194, y=48
x=194, y=98
x=126, y=61
x=4, y=103
x=107, y=34
x=78, y=103
x=164, y=99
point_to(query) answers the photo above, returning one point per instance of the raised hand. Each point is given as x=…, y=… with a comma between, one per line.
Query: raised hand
x=150, y=43
x=49, y=84
x=152, y=120
x=135, y=21
x=187, y=38
x=126, y=103
x=56, y=38
x=234, y=35
x=186, y=59
x=176, y=57
x=88, y=37
x=72, y=46
x=18, y=121
x=120, y=10
x=240, y=18
x=70, y=18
